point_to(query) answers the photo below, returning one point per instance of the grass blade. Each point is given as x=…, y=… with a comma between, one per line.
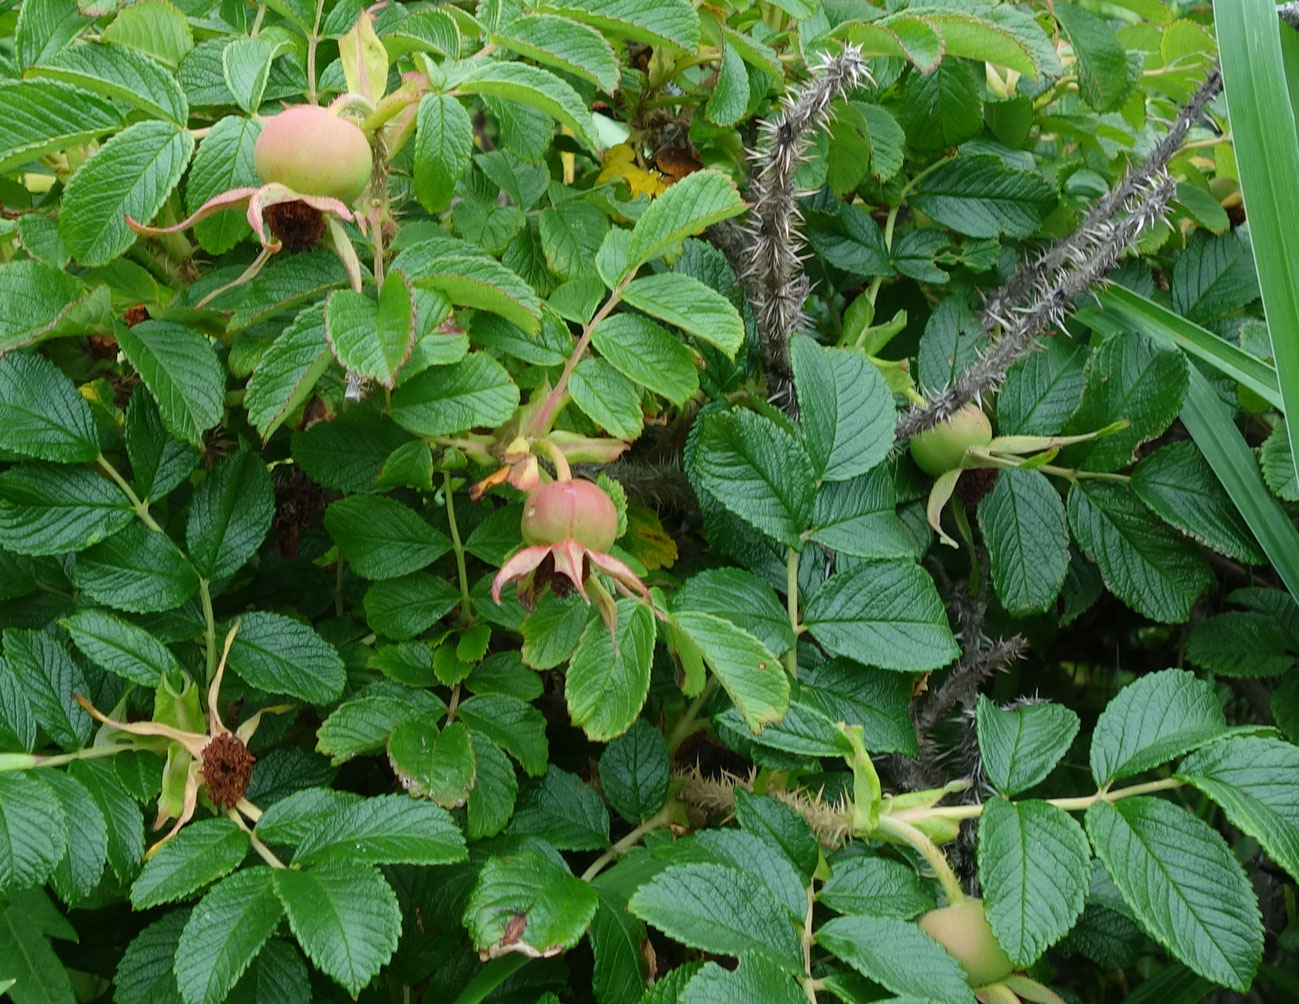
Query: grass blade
x=1164, y=324
x=1267, y=155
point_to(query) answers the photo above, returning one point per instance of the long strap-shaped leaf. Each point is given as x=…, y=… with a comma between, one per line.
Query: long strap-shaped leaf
x=1213, y=428
x=1255, y=60
x=1228, y=359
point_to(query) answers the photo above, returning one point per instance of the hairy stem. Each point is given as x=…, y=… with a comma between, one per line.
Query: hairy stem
x=896, y=827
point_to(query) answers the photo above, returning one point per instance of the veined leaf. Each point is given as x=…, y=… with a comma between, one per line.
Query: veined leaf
x=287, y=374
x=119, y=74
x=120, y=646
x=642, y=351
x=688, y=304
x=1183, y=884
x=199, y=854
x=1034, y=863
x=130, y=175
x=49, y=508
x=181, y=370
x=527, y=903
x=754, y=678
x=224, y=933
x=484, y=284
x=1023, y=524
x=650, y=21
x=979, y=196
x=608, y=678
x=41, y=413
x=692, y=204
x=537, y=88
x=224, y=161
x=46, y=302
x=386, y=829
x=444, y=140
x=40, y=116
x=372, y=339
x=897, y=955
x=845, y=408
x=230, y=514
x=1020, y=747
x=345, y=917
x=563, y=43
x=281, y=655
x=381, y=538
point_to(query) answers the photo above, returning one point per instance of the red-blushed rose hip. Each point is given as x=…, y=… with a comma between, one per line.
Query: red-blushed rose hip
x=314, y=152
x=936, y=451
x=570, y=510
x=964, y=931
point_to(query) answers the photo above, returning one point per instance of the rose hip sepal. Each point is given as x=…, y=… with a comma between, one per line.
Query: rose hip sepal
x=568, y=526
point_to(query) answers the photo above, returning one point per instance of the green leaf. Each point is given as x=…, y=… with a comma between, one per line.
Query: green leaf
x=277, y=976
x=369, y=339
x=537, y=88
x=1021, y=746
x=381, y=538
x=77, y=875
x=155, y=27
x=286, y=282
x=41, y=413
x=619, y=969
x=472, y=280
x=30, y=965
x=33, y=832
x=527, y=903
x=1024, y=527
x=752, y=676
x=845, y=691
x=433, y=764
x=444, y=400
x=1034, y=866
x=46, y=302
x=634, y=772
x=845, y=407
x=1183, y=884
x=1213, y=278
x=444, y=140
x=1102, y=60
x=363, y=723
x=120, y=812
x=643, y=352
x=1042, y=390
x=650, y=21
x=884, y=613
x=246, y=66
x=44, y=27
x=158, y=462
x=513, y=724
x=607, y=397
x=1276, y=461
x=403, y=607
x=571, y=238
x=224, y=161
x=875, y=886
x=491, y=803
x=130, y=175
x=144, y=975
x=859, y=518
x=182, y=372
x=780, y=826
x=953, y=340
x=48, y=508
x=978, y=196
x=137, y=570
x=1153, y=719
x=1178, y=484
x=898, y=955
x=1129, y=377
x=564, y=812
x=120, y=646
x=385, y=829
x=281, y=655
x=718, y=909
x=1239, y=643
x=608, y=680
x=849, y=239
x=230, y=514
x=288, y=372
x=17, y=724
x=119, y=74
x=1253, y=780
x=41, y=116
x=758, y=471
x=1003, y=35
x=224, y=933
x=697, y=201
x=565, y=44
x=756, y=979
x=1144, y=565
x=730, y=98
x=198, y=855
x=741, y=598
x=48, y=677
x=345, y=917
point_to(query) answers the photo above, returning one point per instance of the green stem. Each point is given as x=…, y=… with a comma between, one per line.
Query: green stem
x=791, y=605
x=657, y=821
x=685, y=725
x=466, y=604
x=209, y=628
x=927, y=849
x=809, y=982
x=490, y=977
x=30, y=761
x=1079, y=804
x=546, y=416
x=138, y=504
x=312, y=42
